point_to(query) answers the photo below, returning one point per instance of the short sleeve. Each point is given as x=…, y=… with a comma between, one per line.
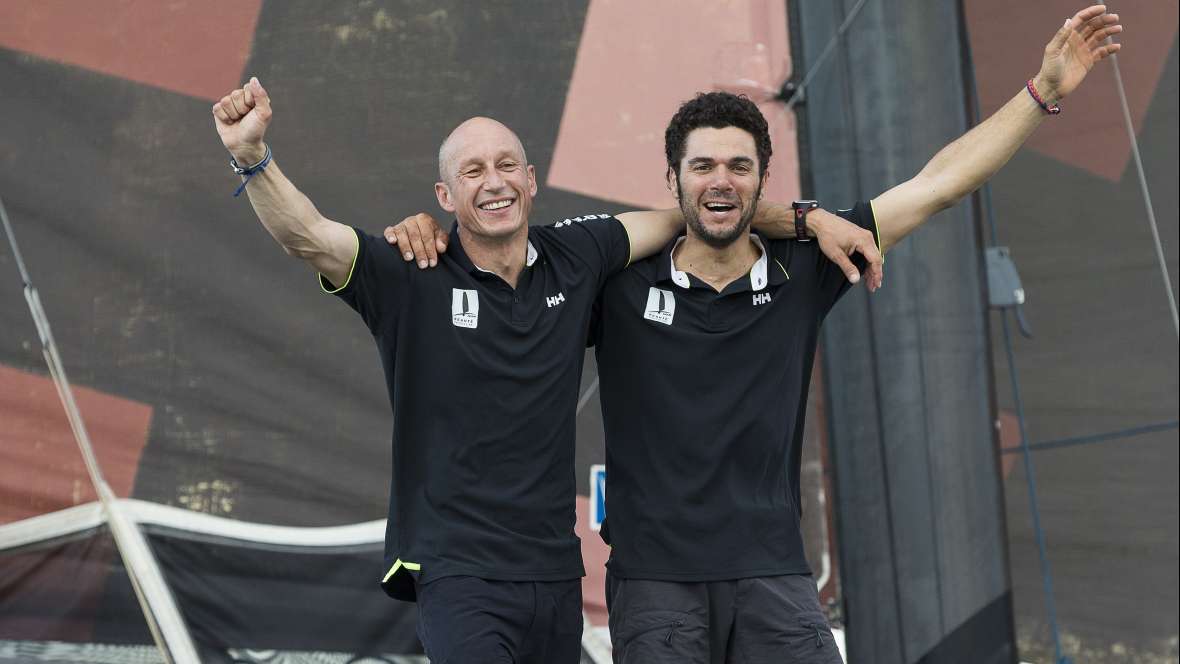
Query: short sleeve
x=832, y=282
x=597, y=240
x=376, y=284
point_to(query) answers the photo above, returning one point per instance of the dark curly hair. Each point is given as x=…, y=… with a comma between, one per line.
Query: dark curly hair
x=717, y=110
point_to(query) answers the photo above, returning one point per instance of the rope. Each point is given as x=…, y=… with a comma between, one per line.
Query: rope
x=1094, y=438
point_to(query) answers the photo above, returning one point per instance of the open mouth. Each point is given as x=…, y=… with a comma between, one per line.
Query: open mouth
x=497, y=205
x=719, y=210
x=719, y=207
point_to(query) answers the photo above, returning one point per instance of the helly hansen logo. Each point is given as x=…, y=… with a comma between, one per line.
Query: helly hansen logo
x=761, y=298
x=661, y=306
x=464, y=308
x=554, y=300
x=585, y=217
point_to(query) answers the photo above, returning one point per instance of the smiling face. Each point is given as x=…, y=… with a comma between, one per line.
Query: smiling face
x=486, y=181
x=719, y=184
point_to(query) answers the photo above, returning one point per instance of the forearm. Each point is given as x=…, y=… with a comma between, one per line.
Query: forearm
x=963, y=166
x=777, y=221
x=648, y=231
x=286, y=213
x=957, y=170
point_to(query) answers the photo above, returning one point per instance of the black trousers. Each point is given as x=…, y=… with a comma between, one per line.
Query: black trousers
x=762, y=620
x=468, y=620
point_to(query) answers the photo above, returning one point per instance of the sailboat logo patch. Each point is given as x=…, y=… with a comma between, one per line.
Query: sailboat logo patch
x=464, y=308
x=661, y=306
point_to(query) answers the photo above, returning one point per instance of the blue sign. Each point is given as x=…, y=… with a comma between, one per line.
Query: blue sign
x=597, y=496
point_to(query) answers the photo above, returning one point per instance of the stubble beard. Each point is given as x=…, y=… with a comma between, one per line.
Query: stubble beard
x=724, y=238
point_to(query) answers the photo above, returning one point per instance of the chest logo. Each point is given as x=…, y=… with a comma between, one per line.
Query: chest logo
x=661, y=306
x=464, y=308
x=761, y=298
x=554, y=300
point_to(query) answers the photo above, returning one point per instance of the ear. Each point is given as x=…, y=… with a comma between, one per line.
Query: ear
x=762, y=184
x=532, y=180
x=673, y=185
x=443, y=193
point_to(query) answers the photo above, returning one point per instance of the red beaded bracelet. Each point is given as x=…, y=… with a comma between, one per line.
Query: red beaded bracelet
x=1032, y=90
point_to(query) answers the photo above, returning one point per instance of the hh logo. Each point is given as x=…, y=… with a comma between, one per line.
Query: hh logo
x=554, y=300
x=761, y=298
x=661, y=306
x=464, y=308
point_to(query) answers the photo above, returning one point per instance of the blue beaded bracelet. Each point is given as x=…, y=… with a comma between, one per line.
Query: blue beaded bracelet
x=249, y=171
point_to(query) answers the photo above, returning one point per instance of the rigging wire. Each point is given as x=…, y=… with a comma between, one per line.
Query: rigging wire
x=1094, y=438
x=801, y=91
x=1155, y=231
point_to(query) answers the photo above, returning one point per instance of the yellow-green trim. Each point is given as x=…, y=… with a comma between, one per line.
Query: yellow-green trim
x=355, y=254
x=785, y=273
x=398, y=564
x=877, y=235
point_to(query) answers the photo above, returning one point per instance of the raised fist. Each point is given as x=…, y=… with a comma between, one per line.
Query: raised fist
x=241, y=118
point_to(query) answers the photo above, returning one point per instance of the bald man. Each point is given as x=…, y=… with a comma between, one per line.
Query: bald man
x=483, y=360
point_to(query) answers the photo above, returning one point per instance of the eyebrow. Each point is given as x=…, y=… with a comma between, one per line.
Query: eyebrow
x=708, y=160
x=477, y=161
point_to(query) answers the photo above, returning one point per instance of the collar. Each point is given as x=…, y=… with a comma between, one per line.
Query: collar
x=455, y=250
x=765, y=270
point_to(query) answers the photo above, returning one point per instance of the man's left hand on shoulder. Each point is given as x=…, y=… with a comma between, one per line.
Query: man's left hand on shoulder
x=418, y=238
x=839, y=238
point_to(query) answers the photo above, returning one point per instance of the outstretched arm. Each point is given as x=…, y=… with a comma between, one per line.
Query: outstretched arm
x=961, y=167
x=241, y=119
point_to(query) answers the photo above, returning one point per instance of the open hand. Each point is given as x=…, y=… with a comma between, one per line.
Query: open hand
x=1075, y=48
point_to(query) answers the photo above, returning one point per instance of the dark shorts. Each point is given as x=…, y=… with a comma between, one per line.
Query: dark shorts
x=763, y=620
x=467, y=620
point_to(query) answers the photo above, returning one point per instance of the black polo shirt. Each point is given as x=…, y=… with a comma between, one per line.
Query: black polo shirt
x=703, y=400
x=483, y=380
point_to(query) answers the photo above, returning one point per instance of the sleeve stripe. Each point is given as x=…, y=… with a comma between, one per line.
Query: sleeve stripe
x=355, y=254
x=877, y=232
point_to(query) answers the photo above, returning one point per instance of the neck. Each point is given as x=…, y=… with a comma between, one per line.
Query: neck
x=716, y=266
x=505, y=256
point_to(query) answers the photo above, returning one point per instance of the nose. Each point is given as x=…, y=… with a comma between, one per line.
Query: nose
x=722, y=180
x=493, y=181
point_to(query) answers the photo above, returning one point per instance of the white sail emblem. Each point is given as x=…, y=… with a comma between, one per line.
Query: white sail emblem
x=464, y=308
x=661, y=306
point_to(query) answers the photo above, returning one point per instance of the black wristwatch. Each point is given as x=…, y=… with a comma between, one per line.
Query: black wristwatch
x=801, y=209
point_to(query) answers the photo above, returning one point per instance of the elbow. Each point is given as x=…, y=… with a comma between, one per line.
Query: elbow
x=302, y=250
x=303, y=242
x=943, y=193
x=296, y=252
x=944, y=202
